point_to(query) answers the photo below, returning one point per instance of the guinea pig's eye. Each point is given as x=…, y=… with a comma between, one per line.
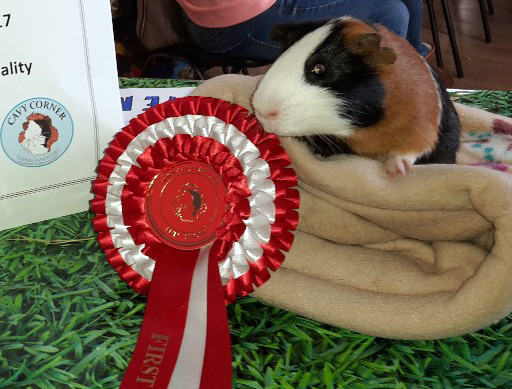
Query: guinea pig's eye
x=319, y=69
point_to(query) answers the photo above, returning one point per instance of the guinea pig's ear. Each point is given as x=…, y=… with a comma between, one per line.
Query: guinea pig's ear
x=288, y=34
x=368, y=46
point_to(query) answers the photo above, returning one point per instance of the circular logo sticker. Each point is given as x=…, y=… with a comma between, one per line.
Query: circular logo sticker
x=185, y=204
x=36, y=132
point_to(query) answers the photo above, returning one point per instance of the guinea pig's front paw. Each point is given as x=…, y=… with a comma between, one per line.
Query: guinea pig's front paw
x=398, y=164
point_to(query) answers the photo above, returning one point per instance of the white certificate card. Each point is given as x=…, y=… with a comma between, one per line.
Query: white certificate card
x=59, y=105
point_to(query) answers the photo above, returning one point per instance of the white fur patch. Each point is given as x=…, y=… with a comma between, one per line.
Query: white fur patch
x=300, y=108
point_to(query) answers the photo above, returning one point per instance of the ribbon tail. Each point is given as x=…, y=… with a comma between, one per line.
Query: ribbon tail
x=205, y=355
x=164, y=322
x=217, y=370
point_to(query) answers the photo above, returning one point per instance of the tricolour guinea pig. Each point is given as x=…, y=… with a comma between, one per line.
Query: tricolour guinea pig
x=349, y=87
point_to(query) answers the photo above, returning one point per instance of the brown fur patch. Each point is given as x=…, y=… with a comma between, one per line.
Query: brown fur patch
x=412, y=103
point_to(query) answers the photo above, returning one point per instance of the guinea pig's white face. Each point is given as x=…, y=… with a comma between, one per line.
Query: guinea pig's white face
x=287, y=105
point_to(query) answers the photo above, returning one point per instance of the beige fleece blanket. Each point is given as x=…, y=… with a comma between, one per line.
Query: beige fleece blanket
x=424, y=256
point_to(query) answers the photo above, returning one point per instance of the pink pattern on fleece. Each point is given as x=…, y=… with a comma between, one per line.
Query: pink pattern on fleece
x=501, y=127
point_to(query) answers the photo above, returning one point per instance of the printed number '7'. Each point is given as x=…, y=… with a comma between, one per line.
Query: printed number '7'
x=8, y=17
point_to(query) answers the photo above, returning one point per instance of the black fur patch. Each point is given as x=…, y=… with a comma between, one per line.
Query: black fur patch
x=349, y=77
x=449, y=130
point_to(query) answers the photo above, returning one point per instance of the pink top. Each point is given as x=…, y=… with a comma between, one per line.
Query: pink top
x=223, y=13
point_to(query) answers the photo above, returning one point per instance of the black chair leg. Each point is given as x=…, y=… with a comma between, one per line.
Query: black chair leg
x=238, y=69
x=435, y=33
x=485, y=21
x=453, y=39
x=490, y=6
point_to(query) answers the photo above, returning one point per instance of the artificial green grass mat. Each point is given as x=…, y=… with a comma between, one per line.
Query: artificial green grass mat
x=68, y=321
x=155, y=83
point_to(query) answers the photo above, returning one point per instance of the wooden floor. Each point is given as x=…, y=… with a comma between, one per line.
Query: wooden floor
x=485, y=65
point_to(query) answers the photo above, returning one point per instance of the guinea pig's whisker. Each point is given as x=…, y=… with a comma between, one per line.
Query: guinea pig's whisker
x=324, y=145
x=335, y=147
x=311, y=140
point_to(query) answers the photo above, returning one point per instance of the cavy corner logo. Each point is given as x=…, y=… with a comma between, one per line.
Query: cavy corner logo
x=36, y=132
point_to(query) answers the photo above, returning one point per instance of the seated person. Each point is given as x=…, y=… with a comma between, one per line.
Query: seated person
x=242, y=28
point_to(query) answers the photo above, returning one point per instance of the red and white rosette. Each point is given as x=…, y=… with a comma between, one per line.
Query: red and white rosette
x=194, y=204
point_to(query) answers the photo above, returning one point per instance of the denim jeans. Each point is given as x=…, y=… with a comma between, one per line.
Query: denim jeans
x=415, y=8
x=251, y=39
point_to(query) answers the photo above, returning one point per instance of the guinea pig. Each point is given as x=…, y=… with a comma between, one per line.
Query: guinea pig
x=346, y=86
